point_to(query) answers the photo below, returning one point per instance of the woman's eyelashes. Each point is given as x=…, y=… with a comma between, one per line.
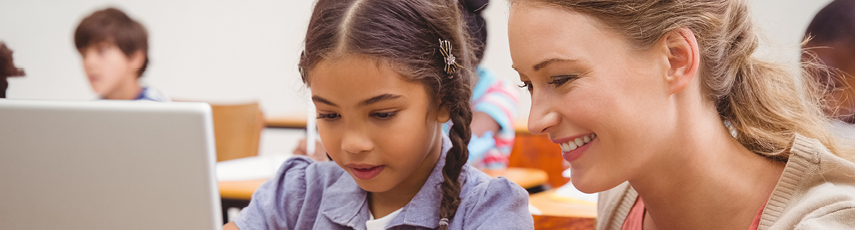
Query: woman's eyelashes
x=526, y=85
x=561, y=79
x=557, y=81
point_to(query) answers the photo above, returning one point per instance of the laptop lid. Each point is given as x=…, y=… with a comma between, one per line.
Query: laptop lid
x=107, y=165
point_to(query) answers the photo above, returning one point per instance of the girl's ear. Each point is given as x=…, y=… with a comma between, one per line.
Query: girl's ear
x=443, y=114
x=683, y=57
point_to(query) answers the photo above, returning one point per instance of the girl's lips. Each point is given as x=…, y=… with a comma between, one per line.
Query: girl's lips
x=366, y=172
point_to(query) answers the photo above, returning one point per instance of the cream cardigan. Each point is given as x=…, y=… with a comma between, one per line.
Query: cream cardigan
x=816, y=191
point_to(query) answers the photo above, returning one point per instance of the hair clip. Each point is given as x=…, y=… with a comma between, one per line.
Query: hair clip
x=450, y=61
x=443, y=221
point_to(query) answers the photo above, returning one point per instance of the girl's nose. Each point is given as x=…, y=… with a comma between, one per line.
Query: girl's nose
x=356, y=141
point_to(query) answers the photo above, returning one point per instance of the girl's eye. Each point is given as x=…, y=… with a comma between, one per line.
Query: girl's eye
x=560, y=80
x=328, y=116
x=526, y=85
x=385, y=115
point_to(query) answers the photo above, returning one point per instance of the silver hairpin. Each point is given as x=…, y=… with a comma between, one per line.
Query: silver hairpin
x=451, y=65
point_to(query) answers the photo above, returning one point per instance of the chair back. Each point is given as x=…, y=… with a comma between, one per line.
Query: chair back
x=237, y=129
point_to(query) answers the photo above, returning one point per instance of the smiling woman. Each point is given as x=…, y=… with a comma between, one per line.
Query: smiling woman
x=662, y=100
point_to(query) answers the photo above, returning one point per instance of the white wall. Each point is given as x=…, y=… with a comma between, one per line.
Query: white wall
x=227, y=51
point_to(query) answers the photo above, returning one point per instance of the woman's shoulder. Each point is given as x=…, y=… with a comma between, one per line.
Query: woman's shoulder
x=816, y=190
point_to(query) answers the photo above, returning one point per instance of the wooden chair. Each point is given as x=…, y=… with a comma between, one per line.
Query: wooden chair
x=237, y=129
x=537, y=151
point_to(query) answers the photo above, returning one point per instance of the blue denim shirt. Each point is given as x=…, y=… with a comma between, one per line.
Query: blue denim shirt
x=320, y=195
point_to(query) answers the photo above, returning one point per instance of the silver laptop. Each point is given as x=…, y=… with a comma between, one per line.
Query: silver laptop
x=107, y=165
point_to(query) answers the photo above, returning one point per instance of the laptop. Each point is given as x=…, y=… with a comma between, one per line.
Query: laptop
x=107, y=165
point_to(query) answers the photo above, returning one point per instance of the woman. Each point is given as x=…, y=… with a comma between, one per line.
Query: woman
x=661, y=105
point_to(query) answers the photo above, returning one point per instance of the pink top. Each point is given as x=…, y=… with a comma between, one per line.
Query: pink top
x=635, y=218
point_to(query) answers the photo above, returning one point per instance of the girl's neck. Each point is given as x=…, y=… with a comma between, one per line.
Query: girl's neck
x=383, y=203
x=707, y=181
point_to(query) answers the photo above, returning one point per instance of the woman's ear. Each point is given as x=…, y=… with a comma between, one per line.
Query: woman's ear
x=683, y=57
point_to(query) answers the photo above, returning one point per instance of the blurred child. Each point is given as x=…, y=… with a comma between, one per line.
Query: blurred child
x=494, y=101
x=7, y=68
x=114, y=49
x=385, y=76
x=832, y=41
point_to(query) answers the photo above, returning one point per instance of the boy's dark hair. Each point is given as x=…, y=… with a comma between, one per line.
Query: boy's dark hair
x=7, y=68
x=114, y=26
x=405, y=34
x=835, y=22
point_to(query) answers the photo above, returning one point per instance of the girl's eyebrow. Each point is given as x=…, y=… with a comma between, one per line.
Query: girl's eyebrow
x=379, y=98
x=322, y=100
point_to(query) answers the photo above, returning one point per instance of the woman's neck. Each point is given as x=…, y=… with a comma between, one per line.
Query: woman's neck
x=383, y=203
x=707, y=181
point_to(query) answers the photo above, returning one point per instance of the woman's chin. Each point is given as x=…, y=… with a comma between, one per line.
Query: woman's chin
x=591, y=185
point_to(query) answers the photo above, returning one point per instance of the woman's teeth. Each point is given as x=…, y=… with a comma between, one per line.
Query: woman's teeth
x=578, y=142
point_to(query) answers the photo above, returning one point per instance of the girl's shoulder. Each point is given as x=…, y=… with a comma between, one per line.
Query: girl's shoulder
x=492, y=203
x=291, y=197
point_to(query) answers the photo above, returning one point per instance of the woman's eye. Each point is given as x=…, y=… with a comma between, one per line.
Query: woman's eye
x=560, y=80
x=526, y=85
x=328, y=116
x=384, y=115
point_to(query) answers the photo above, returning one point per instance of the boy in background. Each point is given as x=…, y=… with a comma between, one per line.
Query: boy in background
x=114, y=49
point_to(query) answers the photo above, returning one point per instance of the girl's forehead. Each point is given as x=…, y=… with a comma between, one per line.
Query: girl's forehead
x=354, y=79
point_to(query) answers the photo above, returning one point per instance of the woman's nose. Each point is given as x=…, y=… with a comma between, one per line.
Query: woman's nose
x=541, y=116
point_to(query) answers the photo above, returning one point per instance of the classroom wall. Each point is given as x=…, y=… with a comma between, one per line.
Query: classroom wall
x=234, y=51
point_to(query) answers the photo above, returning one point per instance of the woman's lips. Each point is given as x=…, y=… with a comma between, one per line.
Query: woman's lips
x=365, y=172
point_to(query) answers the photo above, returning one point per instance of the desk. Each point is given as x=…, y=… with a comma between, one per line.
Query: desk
x=525, y=177
x=559, y=213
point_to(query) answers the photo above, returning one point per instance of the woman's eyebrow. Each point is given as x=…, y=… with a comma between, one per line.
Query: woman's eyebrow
x=544, y=63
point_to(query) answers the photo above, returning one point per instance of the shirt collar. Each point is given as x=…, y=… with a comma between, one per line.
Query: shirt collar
x=346, y=203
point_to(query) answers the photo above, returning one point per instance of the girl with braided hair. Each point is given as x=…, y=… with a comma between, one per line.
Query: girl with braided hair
x=384, y=77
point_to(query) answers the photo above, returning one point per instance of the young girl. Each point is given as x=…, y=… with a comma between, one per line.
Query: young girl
x=661, y=105
x=385, y=76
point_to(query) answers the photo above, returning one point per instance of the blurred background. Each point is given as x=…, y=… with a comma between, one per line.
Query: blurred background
x=237, y=51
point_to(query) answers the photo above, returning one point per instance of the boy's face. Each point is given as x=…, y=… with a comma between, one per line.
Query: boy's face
x=107, y=67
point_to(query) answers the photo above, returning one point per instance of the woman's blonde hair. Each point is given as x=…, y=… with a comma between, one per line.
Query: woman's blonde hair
x=761, y=101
